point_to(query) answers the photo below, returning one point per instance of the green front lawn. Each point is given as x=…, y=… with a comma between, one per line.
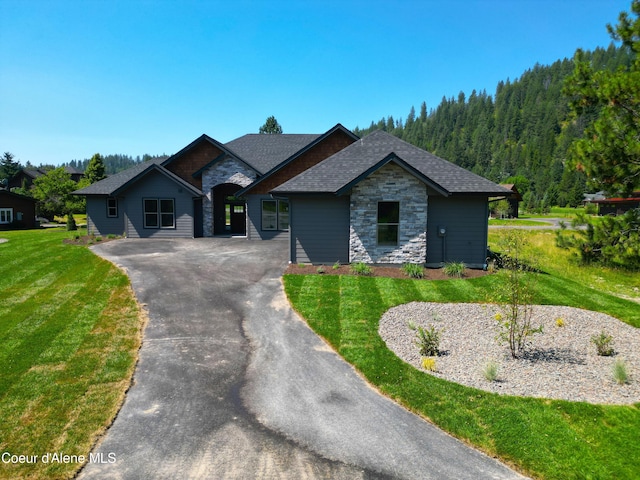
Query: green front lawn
x=544, y=438
x=70, y=330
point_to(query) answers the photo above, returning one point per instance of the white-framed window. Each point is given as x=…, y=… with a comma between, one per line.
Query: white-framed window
x=388, y=223
x=112, y=207
x=159, y=213
x=275, y=215
x=6, y=215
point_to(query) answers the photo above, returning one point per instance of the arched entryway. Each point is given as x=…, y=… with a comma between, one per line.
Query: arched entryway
x=229, y=212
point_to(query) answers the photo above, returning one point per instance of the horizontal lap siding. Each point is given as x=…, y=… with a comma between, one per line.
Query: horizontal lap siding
x=254, y=220
x=466, y=221
x=320, y=229
x=156, y=185
x=97, y=221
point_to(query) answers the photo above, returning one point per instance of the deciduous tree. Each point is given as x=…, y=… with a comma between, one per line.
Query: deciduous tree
x=53, y=192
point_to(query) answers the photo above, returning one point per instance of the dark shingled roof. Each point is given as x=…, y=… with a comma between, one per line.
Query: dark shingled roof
x=112, y=184
x=264, y=152
x=338, y=173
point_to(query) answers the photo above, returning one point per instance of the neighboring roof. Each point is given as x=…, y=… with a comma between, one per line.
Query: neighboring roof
x=307, y=147
x=73, y=170
x=33, y=172
x=115, y=183
x=16, y=195
x=634, y=198
x=515, y=195
x=340, y=172
x=263, y=152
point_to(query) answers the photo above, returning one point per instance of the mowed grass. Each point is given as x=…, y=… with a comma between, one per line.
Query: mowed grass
x=543, y=438
x=70, y=330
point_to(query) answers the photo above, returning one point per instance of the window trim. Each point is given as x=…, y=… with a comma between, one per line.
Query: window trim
x=387, y=224
x=110, y=207
x=8, y=213
x=278, y=216
x=159, y=213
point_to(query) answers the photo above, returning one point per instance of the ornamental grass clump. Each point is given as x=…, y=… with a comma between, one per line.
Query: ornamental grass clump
x=490, y=371
x=361, y=268
x=413, y=270
x=619, y=370
x=454, y=269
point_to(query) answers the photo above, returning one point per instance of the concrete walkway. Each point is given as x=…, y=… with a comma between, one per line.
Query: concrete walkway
x=232, y=384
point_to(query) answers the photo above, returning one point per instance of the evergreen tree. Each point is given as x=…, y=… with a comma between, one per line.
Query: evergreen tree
x=609, y=151
x=271, y=126
x=95, y=170
x=8, y=166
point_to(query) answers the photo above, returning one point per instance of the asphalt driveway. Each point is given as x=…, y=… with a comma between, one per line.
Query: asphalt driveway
x=232, y=384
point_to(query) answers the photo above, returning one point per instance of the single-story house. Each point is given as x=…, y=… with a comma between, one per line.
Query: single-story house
x=26, y=176
x=333, y=196
x=16, y=211
x=513, y=199
x=618, y=205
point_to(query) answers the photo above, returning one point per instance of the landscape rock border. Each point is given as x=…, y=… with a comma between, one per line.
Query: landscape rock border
x=561, y=362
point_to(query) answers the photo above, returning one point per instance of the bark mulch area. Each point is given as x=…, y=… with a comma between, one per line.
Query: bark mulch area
x=378, y=271
x=88, y=240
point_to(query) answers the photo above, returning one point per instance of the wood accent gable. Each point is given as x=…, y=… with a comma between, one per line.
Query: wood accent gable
x=335, y=142
x=193, y=160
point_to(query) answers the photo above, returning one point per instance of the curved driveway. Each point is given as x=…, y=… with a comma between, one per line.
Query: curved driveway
x=232, y=384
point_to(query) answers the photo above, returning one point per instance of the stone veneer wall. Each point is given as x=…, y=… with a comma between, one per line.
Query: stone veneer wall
x=394, y=184
x=228, y=170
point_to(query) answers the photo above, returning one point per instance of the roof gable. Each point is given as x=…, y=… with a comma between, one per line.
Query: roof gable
x=338, y=173
x=281, y=168
x=114, y=184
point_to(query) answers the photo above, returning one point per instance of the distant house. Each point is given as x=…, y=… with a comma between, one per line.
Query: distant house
x=16, y=211
x=332, y=196
x=514, y=199
x=618, y=205
x=26, y=176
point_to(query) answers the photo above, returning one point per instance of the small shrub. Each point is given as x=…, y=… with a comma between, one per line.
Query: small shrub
x=413, y=270
x=427, y=340
x=603, y=343
x=98, y=239
x=619, y=370
x=336, y=265
x=560, y=322
x=320, y=269
x=429, y=363
x=361, y=268
x=111, y=236
x=490, y=371
x=454, y=269
x=71, y=223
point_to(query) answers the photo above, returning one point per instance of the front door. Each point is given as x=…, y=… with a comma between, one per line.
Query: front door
x=229, y=212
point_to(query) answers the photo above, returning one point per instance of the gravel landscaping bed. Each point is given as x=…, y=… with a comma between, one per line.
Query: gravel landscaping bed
x=560, y=363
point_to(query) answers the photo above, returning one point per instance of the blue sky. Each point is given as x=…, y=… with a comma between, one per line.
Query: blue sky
x=135, y=77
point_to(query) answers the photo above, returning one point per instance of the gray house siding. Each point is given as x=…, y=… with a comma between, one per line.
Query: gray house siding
x=466, y=221
x=98, y=223
x=156, y=185
x=254, y=220
x=321, y=226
